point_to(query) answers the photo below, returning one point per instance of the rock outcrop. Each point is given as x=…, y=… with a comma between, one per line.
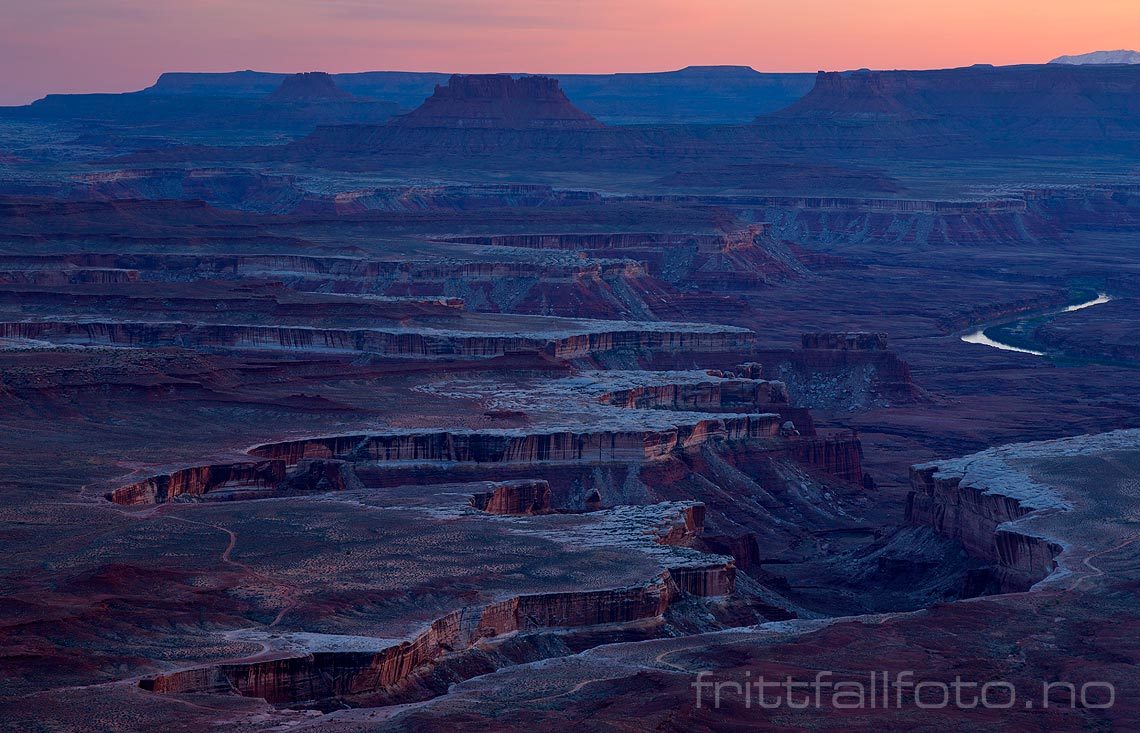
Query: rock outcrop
x=424, y=342
x=311, y=86
x=247, y=480
x=521, y=446
x=714, y=396
x=547, y=286
x=838, y=453
x=845, y=370
x=984, y=519
x=390, y=671
x=515, y=497
x=499, y=101
x=740, y=259
x=326, y=464
x=479, y=639
x=713, y=580
x=260, y=478
x=326, y=675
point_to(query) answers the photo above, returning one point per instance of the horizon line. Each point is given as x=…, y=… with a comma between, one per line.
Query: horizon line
x=558, y=74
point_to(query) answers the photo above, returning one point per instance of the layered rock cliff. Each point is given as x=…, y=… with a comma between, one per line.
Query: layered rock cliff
x=246, y=480
x=520, y=446
x=733, y=260
x=974, y=510
x=514, y=497
x=260, y=478
x=479, y=639
x=568, y=286
x=843, y=370
x=388, y=672
x=838, y=453
x=726, y=394
x=323, y=464
x=326, y=675
x=425, y=342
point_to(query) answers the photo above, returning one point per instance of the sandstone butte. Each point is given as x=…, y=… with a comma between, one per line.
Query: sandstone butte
x=499, y=101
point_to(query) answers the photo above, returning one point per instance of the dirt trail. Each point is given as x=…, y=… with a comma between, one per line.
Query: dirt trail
x=226, y=558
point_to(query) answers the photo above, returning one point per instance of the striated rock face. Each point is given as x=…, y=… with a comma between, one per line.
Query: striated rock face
x=567, y=287
x=826, y=222
x=684, y=528
x=384, y=672
x=320, y=675
x=46, y=277
x=327, y=464
x=227, y=482
x=849, y=371
x=974, y=515
x=479, y=637
x=515, y=497
x=428, y=342
x=516, y=446
x=320, y=476
x=568, y=610
x=255, y=478
x=839, y=454
x=719, y=395
x=712, y=340
x=236, y=188
x=325, y=675
x=312, y=86
x=499, y=101
x=713, y=580
x=739, y=259
x=611, y=242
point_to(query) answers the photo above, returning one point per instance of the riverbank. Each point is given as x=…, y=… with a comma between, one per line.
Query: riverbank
x=1021, y=335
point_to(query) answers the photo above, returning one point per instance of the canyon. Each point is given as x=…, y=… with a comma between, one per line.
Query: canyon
x=400, y=401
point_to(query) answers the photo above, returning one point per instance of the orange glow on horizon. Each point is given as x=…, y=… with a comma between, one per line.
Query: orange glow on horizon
x=70, y=46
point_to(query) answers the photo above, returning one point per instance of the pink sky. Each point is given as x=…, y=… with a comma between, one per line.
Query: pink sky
x=117, y=45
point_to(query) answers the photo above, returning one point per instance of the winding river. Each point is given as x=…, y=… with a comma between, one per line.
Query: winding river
x=978, y=335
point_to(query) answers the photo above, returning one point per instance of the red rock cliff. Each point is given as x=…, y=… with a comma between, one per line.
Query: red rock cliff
x=974, y=516
x=515, y=497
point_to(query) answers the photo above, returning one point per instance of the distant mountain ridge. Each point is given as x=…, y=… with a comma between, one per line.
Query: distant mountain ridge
x=1122, y=56
x=1040, y=109
x=698, y=94
x=296, y=104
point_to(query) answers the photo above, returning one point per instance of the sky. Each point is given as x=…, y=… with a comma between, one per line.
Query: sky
x=51, y=46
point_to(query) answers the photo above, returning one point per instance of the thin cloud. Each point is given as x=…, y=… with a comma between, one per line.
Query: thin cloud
x=501, y=14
